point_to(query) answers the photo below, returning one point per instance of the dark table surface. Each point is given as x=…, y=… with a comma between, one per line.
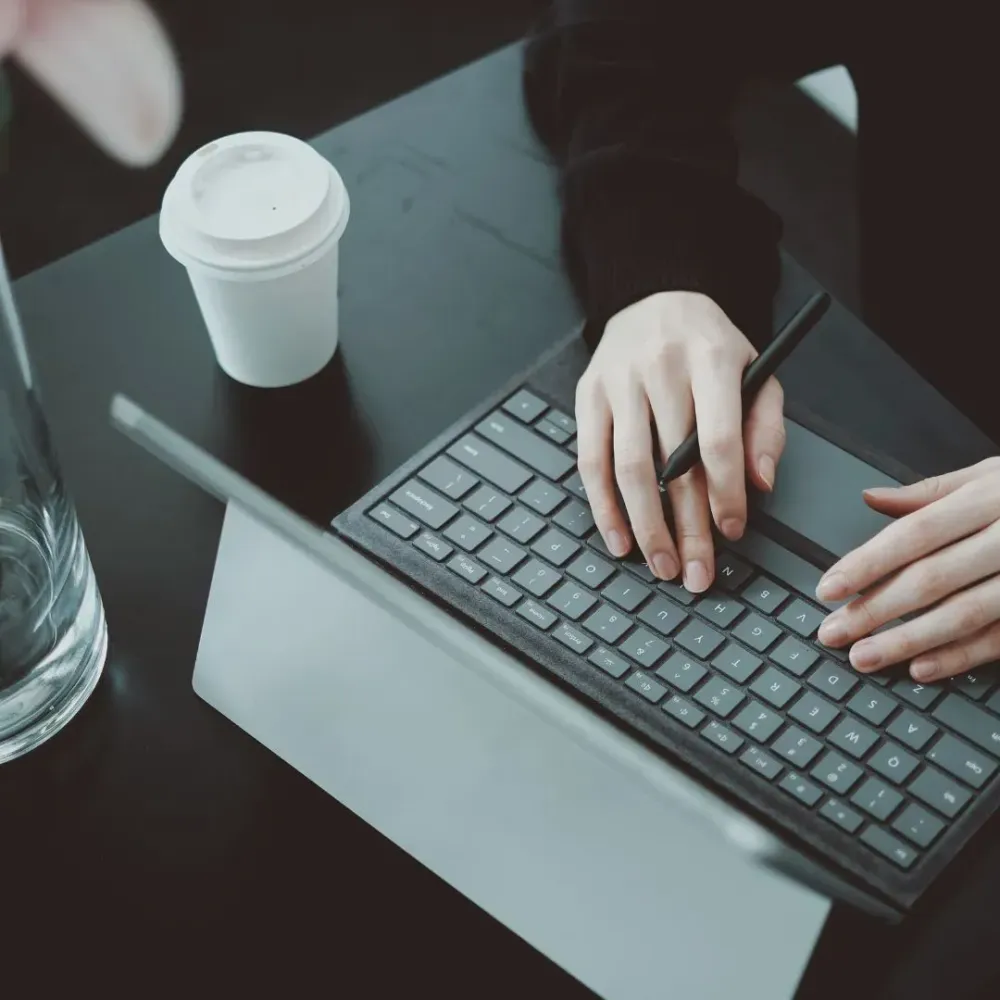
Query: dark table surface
x=152, y=826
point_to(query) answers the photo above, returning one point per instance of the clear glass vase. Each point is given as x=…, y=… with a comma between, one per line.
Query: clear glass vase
x=53, y=636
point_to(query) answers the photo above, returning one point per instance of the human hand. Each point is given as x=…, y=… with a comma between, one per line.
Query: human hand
x=662, y=362
x=942, y=555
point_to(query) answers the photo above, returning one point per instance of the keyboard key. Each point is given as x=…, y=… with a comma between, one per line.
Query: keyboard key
x=681, y=672
x=796, y=657
x=972, y=766
x=502, y=591
x=813, y=712
x=802, y=618
x=575, y=485
x=939, y=791
x=433, y=546
x=993, y=704
x=841, y=655
x=556, y=547
x=487, y=503
x=889, y=847
x=468, y=533
x=677, y=592
x=643, y=684
x=469, y=568
x=831, y=680
x=502, y=556
x=893, y=762
x=877, y=799
x=536, y=578
x=424, y=504
x=572, y=601
x=970, y=721
x=576, y=519
x=873, y=705
x=853, y=737
x=730, y=573
x=918, y=825
x=610, y=663
x=975, y=684
x=798, y=747
x=560, y=419
x=493, y=465
x=573, y=638
x=608, y=624
x=541, y=497
x=836, y=812
x=736, y=663
x=397, y=523
x=526, y=446
x=525, y=406
x=800, y=788
x=548, y=429
x=720, y=698
x=912, y=729
x=590, y=569
x=837, y=772
x=663, y=615
x=684, y=711
x=574, y=447
x=638, y=568
x=643, y=647
x=775, y=687
x=625, y=592
x=765, y=595
x=758, y=722
x=761, y=762
x=920, y=696
x=724, y=738
x=597, y=542
x=521, y=525
x=719, y=611
x=452, y=480
x=699, y=639
x=538, y=615
x=757, y=632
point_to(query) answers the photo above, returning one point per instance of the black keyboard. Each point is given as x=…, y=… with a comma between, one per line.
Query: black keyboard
x=886, y=761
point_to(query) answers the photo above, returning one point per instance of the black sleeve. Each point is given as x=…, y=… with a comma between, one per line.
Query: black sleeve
x=634, y=98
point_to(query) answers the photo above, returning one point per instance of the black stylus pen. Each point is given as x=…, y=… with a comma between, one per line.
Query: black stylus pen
x=758, y=372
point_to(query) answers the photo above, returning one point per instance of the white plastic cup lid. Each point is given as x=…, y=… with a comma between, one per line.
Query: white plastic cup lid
x=252, y=202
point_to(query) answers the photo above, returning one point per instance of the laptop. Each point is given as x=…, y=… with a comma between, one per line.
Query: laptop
x=864, y=788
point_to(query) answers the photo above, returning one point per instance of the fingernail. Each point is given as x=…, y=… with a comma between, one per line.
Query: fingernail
x=865, y=655
x=732, y=528
x=879, y=491
x=765, y=469
x=664, y=566
x=616, y=544
x=833, y=632
x=696, y=576
x=923, y=670
x=832, y=586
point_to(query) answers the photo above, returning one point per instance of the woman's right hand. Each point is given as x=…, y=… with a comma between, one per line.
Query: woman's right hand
x=662, y=363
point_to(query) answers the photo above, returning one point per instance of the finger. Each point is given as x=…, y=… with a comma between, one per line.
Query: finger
x=715, y=385
x=897, y=501
x=956, y=515
x=673, y=413
x=764, y=435
x=916, y=586
x=957, y=657
x=960, y=616
x=594, y=437
x=636, y=474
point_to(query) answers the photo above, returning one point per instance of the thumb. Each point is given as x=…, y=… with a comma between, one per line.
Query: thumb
x=764, y=435
x=899, y=500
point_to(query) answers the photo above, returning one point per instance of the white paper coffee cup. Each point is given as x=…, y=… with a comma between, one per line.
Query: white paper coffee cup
x=256, y=218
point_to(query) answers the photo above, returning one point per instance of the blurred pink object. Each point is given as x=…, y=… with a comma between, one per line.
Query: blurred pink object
x=107, y=62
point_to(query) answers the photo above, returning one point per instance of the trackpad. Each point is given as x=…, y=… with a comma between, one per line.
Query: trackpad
x=552, y=820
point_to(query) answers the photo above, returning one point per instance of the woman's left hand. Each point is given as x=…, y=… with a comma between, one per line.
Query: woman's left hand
x=942, y=558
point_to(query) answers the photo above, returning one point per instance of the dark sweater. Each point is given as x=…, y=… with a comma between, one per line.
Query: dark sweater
x=634, y=98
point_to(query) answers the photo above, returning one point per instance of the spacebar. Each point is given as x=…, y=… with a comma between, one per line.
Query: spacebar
x=784, y=566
